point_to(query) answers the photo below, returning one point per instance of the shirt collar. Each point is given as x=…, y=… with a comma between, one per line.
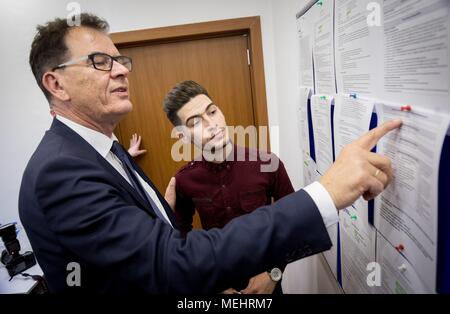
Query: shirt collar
x=226, y=164
x=99, y=141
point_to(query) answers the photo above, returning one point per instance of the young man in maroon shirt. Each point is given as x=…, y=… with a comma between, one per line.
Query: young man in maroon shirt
x=229, y=181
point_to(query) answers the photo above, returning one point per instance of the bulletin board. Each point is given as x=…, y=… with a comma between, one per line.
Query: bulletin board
x=362, y=63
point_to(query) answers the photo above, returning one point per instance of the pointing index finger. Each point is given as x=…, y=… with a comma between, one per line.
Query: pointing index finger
x=370, y=139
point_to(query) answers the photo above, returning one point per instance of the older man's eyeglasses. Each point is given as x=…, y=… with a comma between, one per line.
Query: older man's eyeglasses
x=100, y=61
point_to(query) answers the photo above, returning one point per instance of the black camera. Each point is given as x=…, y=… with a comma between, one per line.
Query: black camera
x=14, y=261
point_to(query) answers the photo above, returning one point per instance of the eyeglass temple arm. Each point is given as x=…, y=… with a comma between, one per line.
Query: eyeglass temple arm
x=62, y=65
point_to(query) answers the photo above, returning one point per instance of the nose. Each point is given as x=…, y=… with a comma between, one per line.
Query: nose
x=118, y=70
x=208, y=122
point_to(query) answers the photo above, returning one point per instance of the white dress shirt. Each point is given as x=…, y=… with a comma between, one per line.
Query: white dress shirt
x=324, y=203
x=102, y=144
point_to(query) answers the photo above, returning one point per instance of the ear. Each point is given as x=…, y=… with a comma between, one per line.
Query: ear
x=182, y=136
x=52, y=82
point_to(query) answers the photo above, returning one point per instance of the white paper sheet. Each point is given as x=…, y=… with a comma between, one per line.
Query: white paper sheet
x=406, y=212
x=302, y=120
x=305, y=33
x=321, y=121
x=397, y=274
x=331, y=254
x=309, y=166
x=358, y=240
x=323, y=48
x=357, y=49
x=309, y=171
x=416, y=52
x=351, y=119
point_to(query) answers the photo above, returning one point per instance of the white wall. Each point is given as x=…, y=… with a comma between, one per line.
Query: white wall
x=24, y=110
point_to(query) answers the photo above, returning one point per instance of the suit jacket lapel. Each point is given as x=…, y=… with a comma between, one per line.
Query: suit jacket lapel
x=163, y=201
x=124, y=183
x=65, y=131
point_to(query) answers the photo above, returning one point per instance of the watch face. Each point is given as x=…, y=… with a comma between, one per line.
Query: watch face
x=276, y=274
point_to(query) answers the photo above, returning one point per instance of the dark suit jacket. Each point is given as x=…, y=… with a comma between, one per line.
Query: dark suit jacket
x=76, y=207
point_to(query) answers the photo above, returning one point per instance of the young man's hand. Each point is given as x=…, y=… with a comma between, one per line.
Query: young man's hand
x=171, y=194
x=260, y=284
x=359, y=172
x=230, y=291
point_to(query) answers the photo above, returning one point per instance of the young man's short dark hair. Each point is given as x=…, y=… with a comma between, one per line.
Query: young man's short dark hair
x=180, y=95
x=49, y=46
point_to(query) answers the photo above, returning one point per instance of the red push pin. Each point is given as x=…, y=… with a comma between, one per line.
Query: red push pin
x=400, y=248
x=406, y=108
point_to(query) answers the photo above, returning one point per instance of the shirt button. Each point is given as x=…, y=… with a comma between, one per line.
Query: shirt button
x=228, y=209
x=223, y=186
x=228, y=166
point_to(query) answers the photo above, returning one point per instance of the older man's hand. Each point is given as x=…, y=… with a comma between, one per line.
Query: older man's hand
x=359, y=172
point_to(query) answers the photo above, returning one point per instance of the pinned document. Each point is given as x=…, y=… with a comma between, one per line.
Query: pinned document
x=321, y=121
x=406, y=212
x=323, y=48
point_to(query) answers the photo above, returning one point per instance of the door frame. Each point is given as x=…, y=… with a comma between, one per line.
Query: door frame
x=250, y=26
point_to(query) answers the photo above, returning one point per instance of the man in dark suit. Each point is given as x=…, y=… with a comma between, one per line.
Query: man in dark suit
x=84, y=202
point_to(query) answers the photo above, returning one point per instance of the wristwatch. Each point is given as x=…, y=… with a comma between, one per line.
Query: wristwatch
x=275, y=274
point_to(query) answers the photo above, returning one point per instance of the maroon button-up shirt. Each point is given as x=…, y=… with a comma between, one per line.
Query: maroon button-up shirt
x=221, y=192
